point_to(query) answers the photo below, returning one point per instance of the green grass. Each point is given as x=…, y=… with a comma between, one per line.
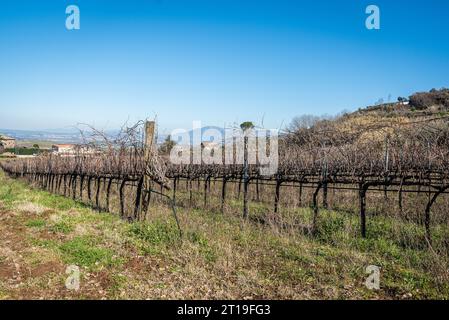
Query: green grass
x=62, y=227
x=156, y=233
x=82, y=251
x=154, y=237
x=37, y=223
x=205, y=248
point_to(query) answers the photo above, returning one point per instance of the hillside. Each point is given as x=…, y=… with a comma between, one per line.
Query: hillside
x=376, y=123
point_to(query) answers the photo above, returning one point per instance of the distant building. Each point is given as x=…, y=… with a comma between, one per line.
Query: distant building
x=209, y=145
x=63, y=148
x=7, y=142
x=71, y=149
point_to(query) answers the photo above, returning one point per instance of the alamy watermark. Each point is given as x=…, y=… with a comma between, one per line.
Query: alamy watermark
x=73, y=20
x=230, y=146
x=372, y=22
x=373, y=280
x=73, y=280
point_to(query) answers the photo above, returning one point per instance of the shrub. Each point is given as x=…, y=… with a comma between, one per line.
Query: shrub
x=424, y=100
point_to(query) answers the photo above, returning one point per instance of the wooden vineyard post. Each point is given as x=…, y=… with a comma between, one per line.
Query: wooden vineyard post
x=325, y=203
x=325, y=173
x=277, y=194
x=148, y=153
x=205, y=191
x=149, y=139
x=223, y=194
x=245, y=177
x=315, y=208
x=174, y=190
x=362, y=204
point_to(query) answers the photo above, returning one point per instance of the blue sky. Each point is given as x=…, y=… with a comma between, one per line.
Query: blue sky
x=218, y=61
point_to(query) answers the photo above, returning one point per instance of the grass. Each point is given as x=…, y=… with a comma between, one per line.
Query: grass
x=157, y=233
x=154, y=238
x=218, y=256
x=62, y=227
x=36, y=223
x=82, y=251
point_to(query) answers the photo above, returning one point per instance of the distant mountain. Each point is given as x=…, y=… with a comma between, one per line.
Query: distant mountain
x=200, y=131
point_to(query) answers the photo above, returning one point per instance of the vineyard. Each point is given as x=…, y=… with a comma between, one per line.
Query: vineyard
x=399, y=169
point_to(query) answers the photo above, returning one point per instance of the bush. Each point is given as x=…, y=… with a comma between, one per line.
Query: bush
x=24, y=151
x=424, y=100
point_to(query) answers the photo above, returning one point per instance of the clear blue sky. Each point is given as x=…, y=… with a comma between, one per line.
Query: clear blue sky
x=214, y=60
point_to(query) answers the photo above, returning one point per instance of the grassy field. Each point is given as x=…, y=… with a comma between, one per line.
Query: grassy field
x=218, y=256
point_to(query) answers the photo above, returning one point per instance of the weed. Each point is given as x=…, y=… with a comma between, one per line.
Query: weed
x=155, y=233
x=37, y=223
x=62, y=227
x=82, y=251
x=205, y=249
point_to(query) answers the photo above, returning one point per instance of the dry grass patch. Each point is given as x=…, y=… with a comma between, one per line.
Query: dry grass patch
x=31, y=208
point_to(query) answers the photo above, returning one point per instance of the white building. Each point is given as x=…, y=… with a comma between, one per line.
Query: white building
x=72, y=149
x=7, y=142
x=63, y=148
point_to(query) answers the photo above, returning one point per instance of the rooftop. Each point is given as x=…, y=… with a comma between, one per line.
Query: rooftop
x=3, y=137
x=64, y=145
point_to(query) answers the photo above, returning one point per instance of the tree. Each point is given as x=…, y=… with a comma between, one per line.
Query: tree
x=167, y=146
x=35, y=146
x=401, y=100
x=306, y=121
x=247, y=125
x=422, y=100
